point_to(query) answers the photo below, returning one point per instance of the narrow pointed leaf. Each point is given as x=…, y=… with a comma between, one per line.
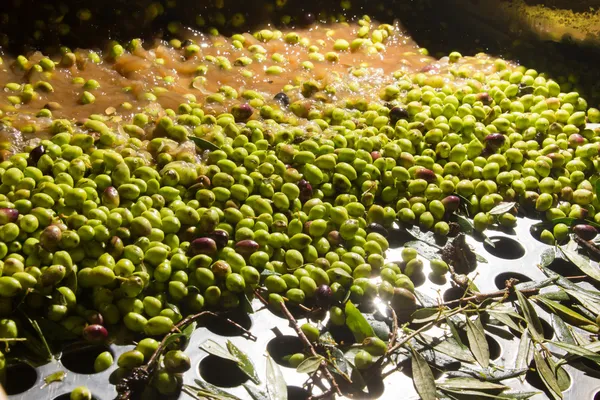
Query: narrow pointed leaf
x=214, y=348
x=212, y=390
x=533, y=321
x=585, y=300
x=524, y=353
x=244, y=362
x=256, y=393
x=578, y=351
x=580, y=262
x=477, y=342
x=276, y=385
x=502, y=208
x=469, y=384
x=562, y=330
x=204, y=144
x=547, y=257
x=422, y=377
x=358, y=324
x=447, y=346
x=569, y=315
x=548, y=377
x=505, y=319
x=309, y=365
x=455, y=334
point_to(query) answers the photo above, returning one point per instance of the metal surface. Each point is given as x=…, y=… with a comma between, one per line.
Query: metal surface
x=269, y=328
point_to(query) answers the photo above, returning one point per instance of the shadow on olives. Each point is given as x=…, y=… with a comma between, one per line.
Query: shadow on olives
x=221, y=372
x=500, y=280
x=533, y=378
x=297, y=393
x=220, y=326
x=20, y=377
x=80, y=358
x=282, y=346
x=506, y=248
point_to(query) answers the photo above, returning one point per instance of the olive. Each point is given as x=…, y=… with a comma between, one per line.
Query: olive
x=176, y=362
x=377, y=228
x=306, y=190
x=398, y=113
x=495, y=140
x=451, y=203
x=242, y=112
x=282, y=99
x=95, y=333
x=246, y=247
x=363, y=360
x=80, y=393
x=8, y=215
x=324, y=295
x=203, y=245
x=220, y=237
x=586, y=232
x=425, y=174
x=35, y=154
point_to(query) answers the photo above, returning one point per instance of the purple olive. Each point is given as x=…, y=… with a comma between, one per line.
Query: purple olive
x=242, y=112
x=246, y=247
x=110, y=197
x=95, y=333
x=586, y=232
x=50, y=237
x=576, y=140
x=495, y=140
x=115, y=247
x=220, y=237
x=375, y=155
x=8, y=215
x=35, y=154
x=324, y=295
x=306, y=190
x=334, y=238
x=397, y=113
x=282, y=99
x=375, y=227
x=451, y=203
x=94, y=318
x=484, y=98
x=203, y=245
x=426, y=174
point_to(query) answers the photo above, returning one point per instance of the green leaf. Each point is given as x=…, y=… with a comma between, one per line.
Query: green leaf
x=548, y=377
x=244, y=362
x=517, y=395
x=214, y=348
x=585, y=300
x=524, y=352
x=448, y=346
x=455, y=334
x=310, y=365
x=174, y=337
x=340, y=272
x=189, y=330
x=505, y=319
x=569, y=315
x=247, y=304
x=358, y=324
x=204, y=144
x=562, y=330
x=256, y=393
x=276, y=385
x=469, y=384
x=581, y=263
x=502, y=208
x=578, y=351
x=424, y=249
x=466, y=225
x=533, y=321
x=57, y=376
x=547, y=257
x=422, y=377
x=477, y=342
x=424, y=315
x=205, y=390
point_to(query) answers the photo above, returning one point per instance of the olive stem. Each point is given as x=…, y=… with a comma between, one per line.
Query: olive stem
x=308, y=344
x=394, y=334
x=591, y=248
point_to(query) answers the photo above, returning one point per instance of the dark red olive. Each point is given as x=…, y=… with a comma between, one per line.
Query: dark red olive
x=495, y=140
x=306, y=190
x=282, y=99
x=94, y=318
x=426, y=174
x=334, y=238
x=110, y=197
x=484, y=98
x=35, y=154
x=242, y=112
x=586, y=232
x=203, y=245
x=8, y=215
x=50, y=237
x=576, y=140
x=324, y=295
x=375, y=227
x=375, y=155
x=95, y=333
x=203, y=181
x=220, y=237
x=397, y=113
x=451, y=203
x=246, y=247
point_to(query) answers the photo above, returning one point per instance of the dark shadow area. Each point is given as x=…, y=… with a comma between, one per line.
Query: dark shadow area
x=500, y=279
x=20, y=377
x=80, y=358
x=220, y=326
x=282, y=346
x=506, y=248
x=533, y=378
x=221, y=372
x=297, y=393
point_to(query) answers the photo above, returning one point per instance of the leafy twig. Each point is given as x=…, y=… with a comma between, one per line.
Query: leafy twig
x=481, y=297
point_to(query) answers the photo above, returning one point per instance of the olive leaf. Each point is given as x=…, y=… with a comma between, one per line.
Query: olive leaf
x=505, y=319
x=524, y=353
x=204, y=144
x=581, y=263
x=57, y=376
x=244, y=363
x=256, y=393
x=214, y=348
x=455, y=334
x=578, y=351
x=310, y=365
x=425, y=237
x=246, y=304
x=172, y=338
x=206, y=390
x=547, y=375
x=423, y=378
x=547, y=257
x=469, y=384
x=488, y=374
x=448, y=346
x=568, y=315
x=477, y=341
x=424, y=315
x=358, y=324
x=466, y=226
x=340, y=272
x=585, y=300
x=276, y=386
x=502, y=208
x=533, y=321
x=425, y=250
x=562, y=330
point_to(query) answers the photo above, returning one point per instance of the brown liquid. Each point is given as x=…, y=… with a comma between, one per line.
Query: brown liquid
x=137, y=73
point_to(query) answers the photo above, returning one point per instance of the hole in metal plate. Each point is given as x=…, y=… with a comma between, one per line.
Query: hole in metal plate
x=501, y=279
x=546, y=327
x=67, y=396
x=506, y=248
x=564, y=267
x=597, y=395
x=534, y=379
x=454, y=293
x=297, y=393
x=221, y=372
x=282, y=346
x=20, y=377
x=494, y=346
x=220, y=326
x=80, y=358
